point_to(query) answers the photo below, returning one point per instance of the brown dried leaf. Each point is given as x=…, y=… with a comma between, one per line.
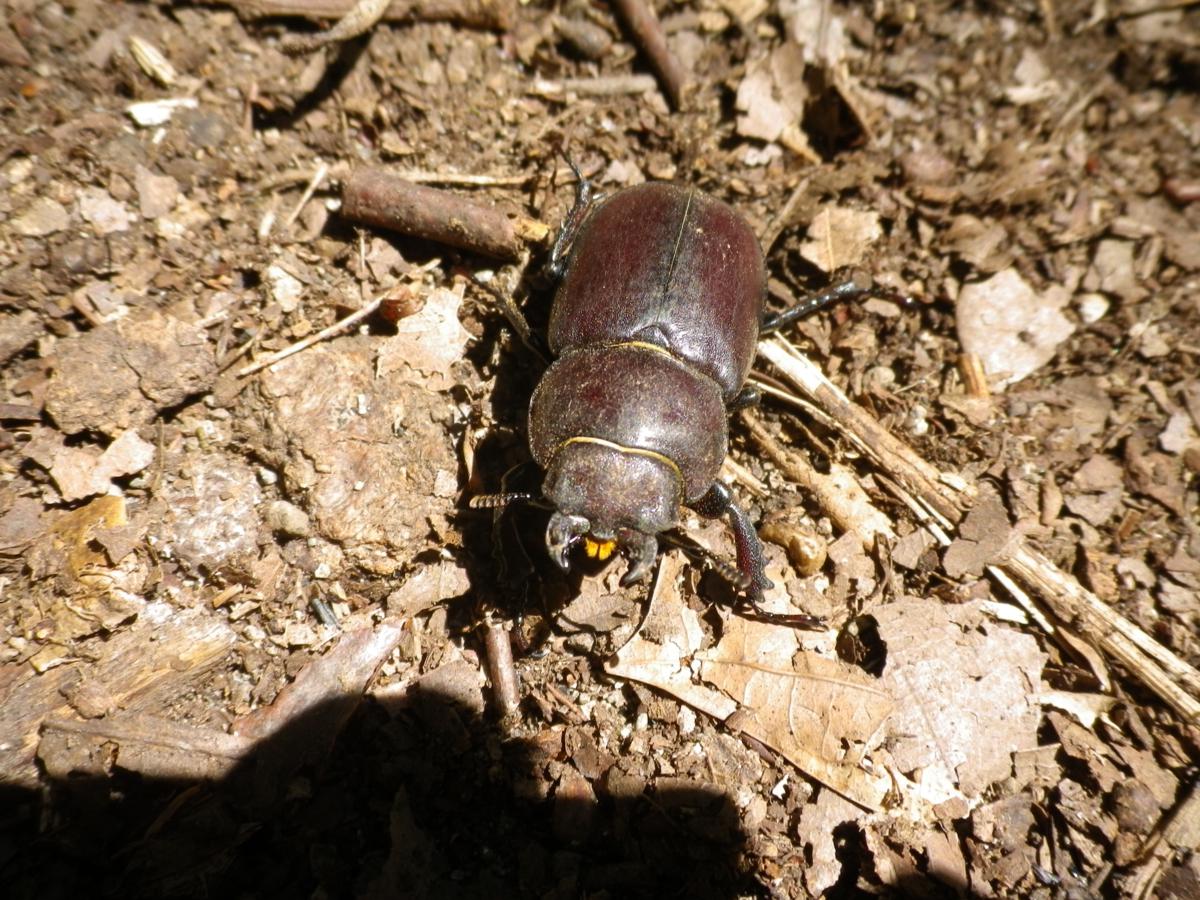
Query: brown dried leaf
x=799, y=700
x=659, y=654
x=840, y=237
x=427, y=344
x=965, y=691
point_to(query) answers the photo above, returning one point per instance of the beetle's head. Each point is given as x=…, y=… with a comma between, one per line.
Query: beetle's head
x=610, y=498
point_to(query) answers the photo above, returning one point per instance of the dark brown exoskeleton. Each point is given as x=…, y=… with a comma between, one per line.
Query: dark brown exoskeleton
x=654, y=328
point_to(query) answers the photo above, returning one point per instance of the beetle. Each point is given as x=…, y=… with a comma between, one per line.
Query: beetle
x=653, y=331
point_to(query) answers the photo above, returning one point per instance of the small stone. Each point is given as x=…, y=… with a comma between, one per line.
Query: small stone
x=287, y=518
x=44, y=216
x=106, y=215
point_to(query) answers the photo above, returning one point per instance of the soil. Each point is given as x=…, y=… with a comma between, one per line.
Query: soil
x=249, y=622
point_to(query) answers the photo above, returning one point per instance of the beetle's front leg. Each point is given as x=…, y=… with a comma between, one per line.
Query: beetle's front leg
x=717, y=502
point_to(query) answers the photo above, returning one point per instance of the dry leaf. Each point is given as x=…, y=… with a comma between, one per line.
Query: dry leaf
x=427, y=344
x=80, y=472
x=1012, y=328
x=966, y=692
x=802, y=702
x=840, y=237
x=828, y=715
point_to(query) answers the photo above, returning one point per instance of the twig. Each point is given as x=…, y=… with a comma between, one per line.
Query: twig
x=313, y=184
x=340, y=325
x=837, y=493
x=500, y=669
x=601, y=86
x=647, y=33
x=377, y=197
x=491, y=14
x=1176, y=682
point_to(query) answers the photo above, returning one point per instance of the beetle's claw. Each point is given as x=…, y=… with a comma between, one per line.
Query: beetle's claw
x=561, y=533
x=643, y=551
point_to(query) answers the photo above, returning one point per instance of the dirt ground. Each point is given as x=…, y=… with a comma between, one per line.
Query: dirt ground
x=251, y=633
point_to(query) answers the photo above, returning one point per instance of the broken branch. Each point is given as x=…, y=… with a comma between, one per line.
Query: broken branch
x=377, y=197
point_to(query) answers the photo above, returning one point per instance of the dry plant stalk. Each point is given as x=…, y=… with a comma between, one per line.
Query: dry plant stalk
x=946, y=498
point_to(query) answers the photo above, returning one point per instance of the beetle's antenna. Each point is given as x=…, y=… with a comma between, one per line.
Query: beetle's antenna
x=496, y=501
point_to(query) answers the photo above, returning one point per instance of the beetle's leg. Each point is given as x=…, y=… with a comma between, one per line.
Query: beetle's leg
x=585, y=195
x=857, y=285
x=747, y=397
x=516, y=320
x=717, y=502
x=498, y=501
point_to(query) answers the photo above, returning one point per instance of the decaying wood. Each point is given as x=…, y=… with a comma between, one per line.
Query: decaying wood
x=1178, y=836
x=328, y=689
x=299, y=727
x=149, y=745
x=140, y=669
x=947, y=498
x=502, y=673
x=361, y=18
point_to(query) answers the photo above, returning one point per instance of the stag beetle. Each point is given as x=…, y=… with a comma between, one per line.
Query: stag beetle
x=654, y=328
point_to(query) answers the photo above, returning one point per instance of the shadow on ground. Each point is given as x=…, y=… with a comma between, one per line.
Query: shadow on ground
x=425, y=802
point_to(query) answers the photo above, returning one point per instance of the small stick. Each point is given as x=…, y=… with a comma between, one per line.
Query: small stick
x=491, y=14
x=970, y=366
x=377, y=197
x=602, y=86
x=361, y=18
x=313, y=184
x=500, y=669
x=838, y=493
x=340, y=325
x=647, y=33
